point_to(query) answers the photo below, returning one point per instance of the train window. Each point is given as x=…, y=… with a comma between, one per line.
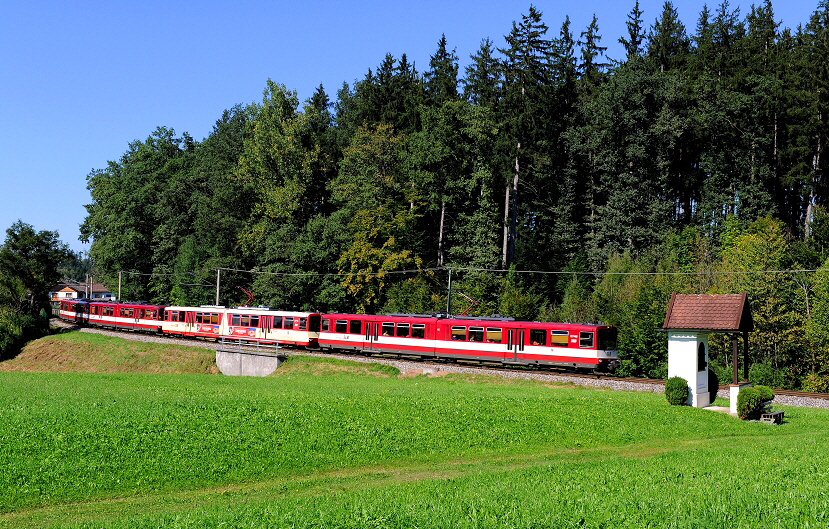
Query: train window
x=199, y=317
x=254, y=320
x=139, y=314
x=459, y=333
x=355, y=327
x=325, y=324
x=341, y=326
x=214, y=319
x=288, y=323
x=476, y=334
x=419, y=330
x=402, y=329
x=235, y=319
x=494, y=335
x=94, y=310
x=560, y=338
x=277, y=322
x=303, y=324
x=585, y=339
x=245, y=320
x=388, y=328
x=538, y=337
x=151, y=314
x=607, y=338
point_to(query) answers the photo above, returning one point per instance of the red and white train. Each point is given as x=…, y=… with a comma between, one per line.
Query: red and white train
x=496, y=340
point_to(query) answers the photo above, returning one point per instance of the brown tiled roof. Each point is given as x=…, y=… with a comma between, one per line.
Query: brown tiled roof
x=709, y=312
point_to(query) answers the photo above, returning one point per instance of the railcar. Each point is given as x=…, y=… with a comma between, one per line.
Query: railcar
x=134, y=316
x=249, y=324
x=74, y=311
x=497, y=340
x=113, y=314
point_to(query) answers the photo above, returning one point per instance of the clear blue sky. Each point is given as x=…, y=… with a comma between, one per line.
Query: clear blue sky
x=80, y=80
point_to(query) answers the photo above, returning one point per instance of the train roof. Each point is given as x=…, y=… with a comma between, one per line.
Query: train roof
x=462, y=320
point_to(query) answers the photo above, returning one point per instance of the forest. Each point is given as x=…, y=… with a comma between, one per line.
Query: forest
x=549, y=180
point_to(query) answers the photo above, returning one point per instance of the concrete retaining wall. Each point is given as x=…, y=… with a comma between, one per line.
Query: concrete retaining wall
x=235, y=363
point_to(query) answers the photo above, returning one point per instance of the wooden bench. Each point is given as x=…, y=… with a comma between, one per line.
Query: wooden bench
x=775, y=417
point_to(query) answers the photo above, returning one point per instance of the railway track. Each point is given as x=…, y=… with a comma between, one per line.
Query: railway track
x=442, y=364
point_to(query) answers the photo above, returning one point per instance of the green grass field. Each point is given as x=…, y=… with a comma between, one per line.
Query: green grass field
x=333, y=444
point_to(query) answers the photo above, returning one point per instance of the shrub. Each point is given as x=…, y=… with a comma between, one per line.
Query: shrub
x=763, y=373
x=753, y=401
x=676, y=391
x=816, y=383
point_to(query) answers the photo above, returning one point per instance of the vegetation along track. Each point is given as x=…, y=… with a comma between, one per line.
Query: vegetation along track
x=429, y=367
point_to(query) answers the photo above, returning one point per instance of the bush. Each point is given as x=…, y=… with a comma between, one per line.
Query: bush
x=753, y=401
x=816, y=383
x=764, y=374
x=676, y=391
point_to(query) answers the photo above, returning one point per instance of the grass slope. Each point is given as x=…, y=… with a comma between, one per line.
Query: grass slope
x=335, y=444
x=74, y=352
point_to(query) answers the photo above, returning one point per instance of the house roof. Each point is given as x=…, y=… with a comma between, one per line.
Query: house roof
x=97, y=288
x=709, y=312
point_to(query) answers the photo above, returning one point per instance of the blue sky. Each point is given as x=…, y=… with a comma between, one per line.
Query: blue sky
x=80, y=80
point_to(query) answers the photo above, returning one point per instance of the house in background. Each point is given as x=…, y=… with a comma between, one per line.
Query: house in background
x=76, y=290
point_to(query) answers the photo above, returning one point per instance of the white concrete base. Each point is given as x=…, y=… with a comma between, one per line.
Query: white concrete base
x=700, y=400
x=734, y=390
x=247, y=363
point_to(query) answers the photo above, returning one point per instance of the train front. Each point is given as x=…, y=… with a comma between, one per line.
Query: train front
x=607, y=351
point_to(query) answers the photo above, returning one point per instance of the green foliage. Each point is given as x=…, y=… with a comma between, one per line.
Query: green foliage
x=676, y=391
x=29, y=265
x=694, y=165
x=765, y=375
x=752, y=401
x=815, y=383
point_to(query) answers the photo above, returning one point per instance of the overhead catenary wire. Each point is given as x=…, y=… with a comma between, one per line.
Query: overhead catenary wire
x=471, y=269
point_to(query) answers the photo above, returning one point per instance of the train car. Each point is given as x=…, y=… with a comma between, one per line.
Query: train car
x=263, y=325
x=398, y=333
x=249, y=324
x=202, y=322
x=126, y=316
x=497, y=340
x=74, y=311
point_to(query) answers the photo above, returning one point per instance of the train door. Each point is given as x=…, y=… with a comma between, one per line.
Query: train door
x=189, y=322
x=515, y=345
x=372, y=335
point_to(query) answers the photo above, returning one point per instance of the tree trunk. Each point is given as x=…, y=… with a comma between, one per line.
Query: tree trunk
x=812, y=185
x=514, y=214
x=440, y=232
x=505, y=249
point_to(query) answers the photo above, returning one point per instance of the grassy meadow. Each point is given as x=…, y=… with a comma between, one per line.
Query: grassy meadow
x=326, y=443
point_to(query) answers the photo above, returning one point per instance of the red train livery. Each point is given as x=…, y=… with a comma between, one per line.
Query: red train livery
x=115, y=315
x=497, y=340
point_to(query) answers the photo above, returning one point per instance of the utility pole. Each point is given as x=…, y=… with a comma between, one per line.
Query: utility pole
x=218, y=282
x=449, y=296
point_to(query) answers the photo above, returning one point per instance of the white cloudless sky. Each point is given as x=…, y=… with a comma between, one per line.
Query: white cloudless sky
x=80, y=80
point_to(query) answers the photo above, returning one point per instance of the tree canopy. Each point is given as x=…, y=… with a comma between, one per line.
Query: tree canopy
x=555, y=181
